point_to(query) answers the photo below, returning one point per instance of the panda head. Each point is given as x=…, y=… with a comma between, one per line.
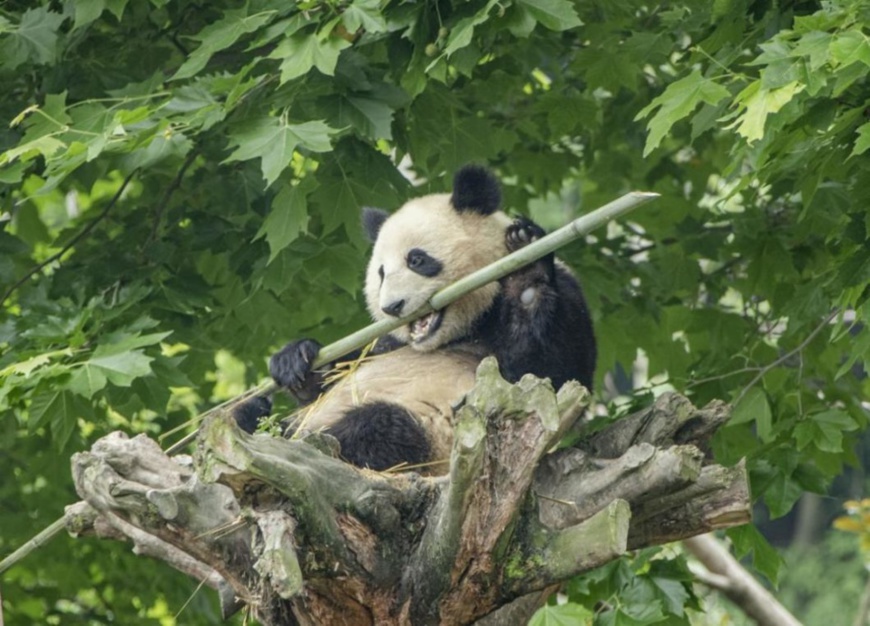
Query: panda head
x=429, y=243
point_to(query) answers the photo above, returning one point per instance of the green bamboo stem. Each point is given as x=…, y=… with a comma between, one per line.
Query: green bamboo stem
x=499, y=269
x=361, y=338
x=33, y=544
x=494, y=271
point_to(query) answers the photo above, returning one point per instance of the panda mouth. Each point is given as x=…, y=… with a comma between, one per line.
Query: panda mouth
x=426, y=326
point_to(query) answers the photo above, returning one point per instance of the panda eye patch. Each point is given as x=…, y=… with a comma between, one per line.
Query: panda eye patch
x=421, y=263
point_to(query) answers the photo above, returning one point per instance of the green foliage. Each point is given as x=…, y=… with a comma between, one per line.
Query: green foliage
x=677, y=101
x=253, y=133
x=568, y=614
x=274, y=141
x=747, y=540
x=648, y=589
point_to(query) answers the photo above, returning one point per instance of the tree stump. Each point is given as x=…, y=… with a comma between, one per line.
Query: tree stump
x=289, y=529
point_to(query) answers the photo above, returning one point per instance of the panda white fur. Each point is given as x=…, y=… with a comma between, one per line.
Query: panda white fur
x=397, y=404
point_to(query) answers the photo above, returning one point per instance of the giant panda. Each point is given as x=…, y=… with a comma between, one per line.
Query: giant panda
x=396, y=406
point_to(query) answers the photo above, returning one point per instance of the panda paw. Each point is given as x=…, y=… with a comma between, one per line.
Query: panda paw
x=249, y=412
x=521, y=233
x=291, y=367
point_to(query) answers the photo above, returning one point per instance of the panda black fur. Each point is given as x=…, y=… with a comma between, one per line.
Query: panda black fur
x=396, y=407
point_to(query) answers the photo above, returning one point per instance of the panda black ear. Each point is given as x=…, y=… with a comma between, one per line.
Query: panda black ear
x=372, y=220
x=476, y=190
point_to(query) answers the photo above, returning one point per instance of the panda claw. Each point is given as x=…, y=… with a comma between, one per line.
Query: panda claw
x=521, y=233
x=291, y=366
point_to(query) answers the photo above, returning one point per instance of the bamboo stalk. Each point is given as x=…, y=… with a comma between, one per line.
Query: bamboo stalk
x=329, y=353
x=32, y=544
x=499, y=269
x=494, y=271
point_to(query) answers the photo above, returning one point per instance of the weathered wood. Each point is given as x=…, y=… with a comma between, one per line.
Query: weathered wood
x=738, y=584
x=302, y=537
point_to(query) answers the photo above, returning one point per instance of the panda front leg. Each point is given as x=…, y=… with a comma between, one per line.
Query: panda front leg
x=291, y=366
x=521, y=233
x=520, y=332
x=249, y=413
x=381, y=435
x=542, y=325
x=291, y=369
x=530, y=293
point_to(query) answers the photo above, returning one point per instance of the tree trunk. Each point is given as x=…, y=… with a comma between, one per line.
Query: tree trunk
x=302, y=537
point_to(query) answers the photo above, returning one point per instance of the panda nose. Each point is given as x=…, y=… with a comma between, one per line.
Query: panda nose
x=394, y=309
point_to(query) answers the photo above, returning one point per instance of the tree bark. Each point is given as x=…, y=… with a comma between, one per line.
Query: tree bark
x=728, y=576
x=289, y=529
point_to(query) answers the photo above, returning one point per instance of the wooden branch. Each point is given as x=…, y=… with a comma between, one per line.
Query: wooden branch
x=82, y=520
x=717, y=500
x=671, y=419
x=167, y=195
x=518, y=611
x=278, y=560
x=642, y=473
x=741, y=588
x=567, y=552
x=131, y=483
x=862, y=616
x=302, y=537
x=78, y=237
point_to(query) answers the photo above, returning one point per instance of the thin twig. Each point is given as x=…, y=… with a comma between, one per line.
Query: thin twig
x=785, y=357
x=800, y=402
x=567, y=503
x=404, y=467
x=184, y=606
x=742, y=588
x=84, y=232
x=861, y=617
x=223, y=530
x=167, y=194
x=710, y=379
